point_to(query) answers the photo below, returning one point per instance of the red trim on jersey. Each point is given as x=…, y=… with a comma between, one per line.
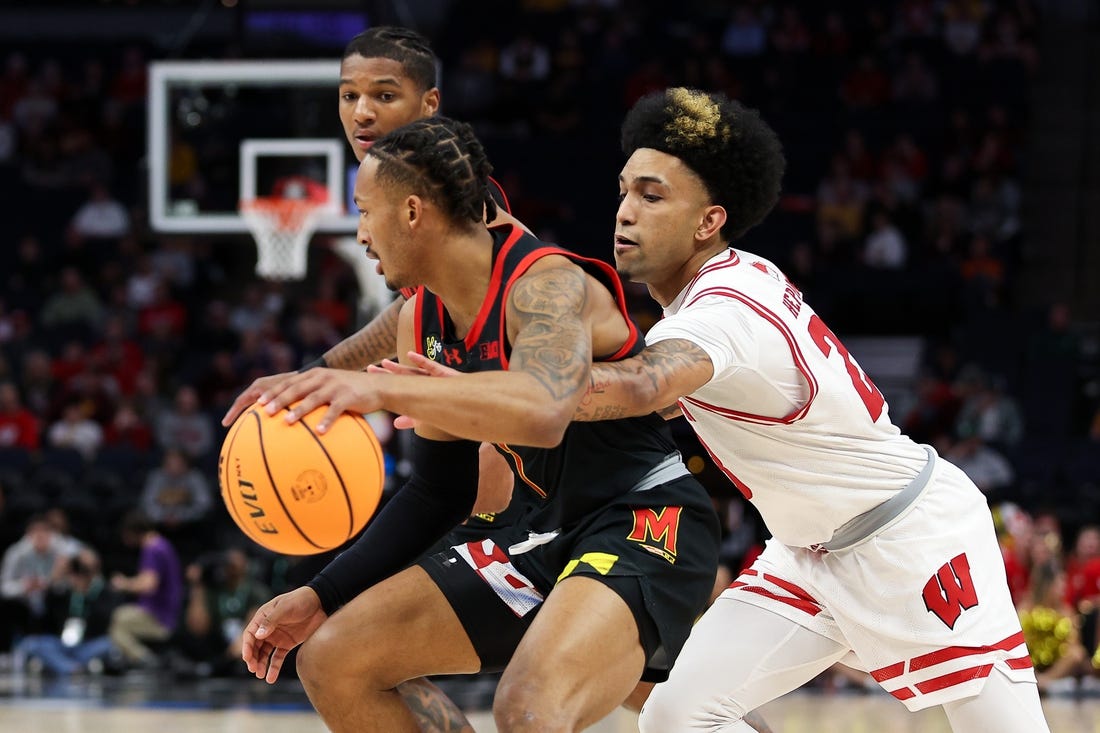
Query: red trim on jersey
x=617, y=293
x=903, y=693
x=940, y=656
x=741, y=485
x=954, y=678
x=889, y=672
x=495, y=280
x=503, y=195
x=732, y=259
x=954, y=652
x=800, y=361
x=802, y=600
x=418, y=331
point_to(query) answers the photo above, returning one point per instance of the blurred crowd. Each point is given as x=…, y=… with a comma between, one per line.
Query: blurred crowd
x=905, y=126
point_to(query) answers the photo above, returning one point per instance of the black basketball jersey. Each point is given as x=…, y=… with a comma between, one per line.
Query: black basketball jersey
x=595, y=460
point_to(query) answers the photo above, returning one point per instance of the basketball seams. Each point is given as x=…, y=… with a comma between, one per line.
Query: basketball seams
x=380, y=460
x=232, y=503
x=276, y=489
x=340, y=476
x=242, y=451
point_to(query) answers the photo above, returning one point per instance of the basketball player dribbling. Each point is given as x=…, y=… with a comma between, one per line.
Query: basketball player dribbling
x=883, y=554
x=600, y=581
x=387, y=79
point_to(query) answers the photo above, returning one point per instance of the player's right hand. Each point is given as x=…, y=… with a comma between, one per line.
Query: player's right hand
x=278, y=626
x=247, y=398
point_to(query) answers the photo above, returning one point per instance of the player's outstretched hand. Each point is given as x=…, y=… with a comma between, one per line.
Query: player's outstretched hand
x=272, y=382
x=414, y=365
x=418, y=365
x=278, y=626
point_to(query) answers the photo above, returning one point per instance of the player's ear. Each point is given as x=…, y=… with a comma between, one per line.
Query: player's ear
x=414, y=209
x=429, y=103
x=712, y=221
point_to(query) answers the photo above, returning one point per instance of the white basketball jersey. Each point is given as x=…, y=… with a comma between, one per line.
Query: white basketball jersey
x=788, y=415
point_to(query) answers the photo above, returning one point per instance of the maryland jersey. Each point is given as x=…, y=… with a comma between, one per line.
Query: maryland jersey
x=788, y=414
x=502, y=202
x=595, y=461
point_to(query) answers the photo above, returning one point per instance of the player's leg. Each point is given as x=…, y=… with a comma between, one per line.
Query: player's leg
x=399, y=630
x=738, y=657
x=580, y=659
x=634, y=702
x=1003, y=705
x=433, y=710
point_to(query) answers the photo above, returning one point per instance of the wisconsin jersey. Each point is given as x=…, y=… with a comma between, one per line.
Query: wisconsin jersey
x=595, y=461
x=811, y=433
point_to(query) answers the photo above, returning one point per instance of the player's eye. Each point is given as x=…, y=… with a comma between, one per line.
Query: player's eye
x=387, y=96
x=651, y=198
x=347, y=97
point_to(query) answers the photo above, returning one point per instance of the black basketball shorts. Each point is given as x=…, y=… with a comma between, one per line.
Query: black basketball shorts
x=657, y=549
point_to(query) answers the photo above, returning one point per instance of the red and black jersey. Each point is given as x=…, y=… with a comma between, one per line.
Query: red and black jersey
x=595, y=461
x=501, y=199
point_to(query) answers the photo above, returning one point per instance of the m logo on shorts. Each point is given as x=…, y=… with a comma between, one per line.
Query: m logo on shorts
x=951, y=591
x=496, y=569
x=656, y=530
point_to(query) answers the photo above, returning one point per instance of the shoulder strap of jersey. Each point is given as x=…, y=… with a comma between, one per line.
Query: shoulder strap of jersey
x=497, y=192
x=604, y=272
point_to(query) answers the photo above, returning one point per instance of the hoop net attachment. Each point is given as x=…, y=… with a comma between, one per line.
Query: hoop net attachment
x=282, y=228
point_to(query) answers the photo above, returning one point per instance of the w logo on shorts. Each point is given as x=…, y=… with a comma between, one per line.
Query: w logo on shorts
x=951, y=591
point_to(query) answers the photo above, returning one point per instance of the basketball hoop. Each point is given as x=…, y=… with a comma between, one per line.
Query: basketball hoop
x=282, y=228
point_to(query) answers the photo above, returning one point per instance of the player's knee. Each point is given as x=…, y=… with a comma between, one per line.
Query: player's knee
x=519, y=705
x=323, y=658
x=669, y=709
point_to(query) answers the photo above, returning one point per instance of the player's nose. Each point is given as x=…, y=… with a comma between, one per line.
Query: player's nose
x=364, y=111
x=625, y=213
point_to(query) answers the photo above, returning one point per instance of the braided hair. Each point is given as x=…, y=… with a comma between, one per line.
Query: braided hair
x=406, y=47
x=734, y=152
x=440, y=159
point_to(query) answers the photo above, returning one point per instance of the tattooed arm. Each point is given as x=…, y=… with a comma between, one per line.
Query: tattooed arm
x=550, y=321
x=369, y=345
x=652, y=381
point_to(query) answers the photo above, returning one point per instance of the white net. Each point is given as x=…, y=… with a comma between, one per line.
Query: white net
x=282, y=228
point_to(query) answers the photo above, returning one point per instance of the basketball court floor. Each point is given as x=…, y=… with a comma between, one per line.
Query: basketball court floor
x=165, y=705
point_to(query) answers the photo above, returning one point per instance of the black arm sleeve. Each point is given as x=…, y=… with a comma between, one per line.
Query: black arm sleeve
x=439, y=495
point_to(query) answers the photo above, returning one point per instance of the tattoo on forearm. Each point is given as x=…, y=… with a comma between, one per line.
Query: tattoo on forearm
x=369, y=345
x=434, y=711
x=553, y=344
x=642, y=383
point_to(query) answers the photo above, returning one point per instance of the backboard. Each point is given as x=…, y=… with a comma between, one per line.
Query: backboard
x=222, y=131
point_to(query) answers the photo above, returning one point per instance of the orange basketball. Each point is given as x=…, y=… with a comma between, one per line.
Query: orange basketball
x=295, y=491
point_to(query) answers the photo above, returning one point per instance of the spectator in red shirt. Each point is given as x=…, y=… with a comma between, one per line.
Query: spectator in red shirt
x=1083, y=569
x=18, y=426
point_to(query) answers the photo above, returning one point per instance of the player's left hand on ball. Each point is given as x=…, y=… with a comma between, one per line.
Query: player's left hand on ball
x=341, y=390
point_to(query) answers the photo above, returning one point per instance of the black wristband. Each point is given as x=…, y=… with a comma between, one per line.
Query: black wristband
x=318, y=362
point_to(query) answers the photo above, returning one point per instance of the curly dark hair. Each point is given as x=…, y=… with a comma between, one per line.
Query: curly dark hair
x=406, y=47
x=442, y=160
x=734, y=152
